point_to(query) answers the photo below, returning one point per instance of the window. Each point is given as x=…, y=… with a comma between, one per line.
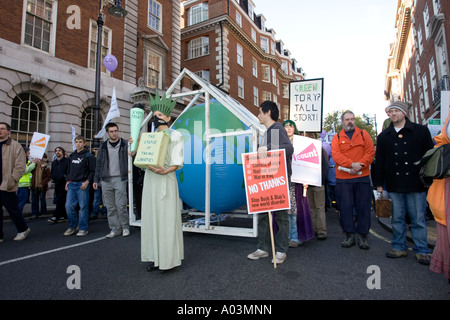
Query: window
x=198, y=13
x=436, y=6
x=272, y=47
x=425, y=91
x=255, y=96
x=285, y=90
x=251, y=10
x=432, y=72
x=154, y=70
x=204, y=74
x=39, y=24
x=240, y=55
x=284, y=66
x=154, y=15
x=198, y=47
x=426, y=21
x=265, y=73
x=239, y=19
x=240, y=87
x=253, y=35
x=255, y=67
x=265, y=44
x=266, y=95
x=419, y=39
x=274, y=77
x=105, y=46
x=28, y=115
x=87, y=125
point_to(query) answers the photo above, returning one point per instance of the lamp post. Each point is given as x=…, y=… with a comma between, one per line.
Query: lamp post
x=119, y=12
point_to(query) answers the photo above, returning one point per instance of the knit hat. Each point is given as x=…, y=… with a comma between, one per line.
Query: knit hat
x=400, y=105
x=162, y=104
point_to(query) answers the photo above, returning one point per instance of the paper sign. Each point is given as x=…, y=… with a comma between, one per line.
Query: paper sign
x=307, y=161
x=306, y=104
x=152, y=149
x=38, y=145
x=266, y=183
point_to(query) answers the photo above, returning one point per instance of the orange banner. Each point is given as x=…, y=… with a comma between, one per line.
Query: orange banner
x=266, y=183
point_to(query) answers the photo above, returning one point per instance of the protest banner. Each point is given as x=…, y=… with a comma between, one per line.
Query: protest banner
x=38, y=145
x=306, y=104
x=266, y=185
x=307, y=161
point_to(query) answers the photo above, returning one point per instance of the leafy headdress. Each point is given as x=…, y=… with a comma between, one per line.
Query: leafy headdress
x=162, y=104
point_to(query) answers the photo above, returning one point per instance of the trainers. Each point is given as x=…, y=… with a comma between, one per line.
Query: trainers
x=423, y=258
x=279, y=257
x=22, y=235
x=112, y=234
x=396, y=254
x=125, y=232
x=349, y=241
x=293, y=244
x=82, y=233
x=321, y=236
x=69, y=232
x=53, y=220
x=258, y=254
x=362, y=242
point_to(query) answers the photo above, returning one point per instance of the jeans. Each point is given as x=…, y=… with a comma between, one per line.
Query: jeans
x=281, y=238
x=293, y=233
x=77, y=196
x=9, y=201
x=23, y=193
x=415, y=204
x=38, y=197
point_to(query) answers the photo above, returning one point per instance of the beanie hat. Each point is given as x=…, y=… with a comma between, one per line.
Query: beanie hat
x=400, y=105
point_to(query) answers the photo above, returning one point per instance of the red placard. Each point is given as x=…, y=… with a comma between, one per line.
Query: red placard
x=266, y=183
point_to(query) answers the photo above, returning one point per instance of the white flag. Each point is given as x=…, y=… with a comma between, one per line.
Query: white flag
x=73, y=136
x=113, y=112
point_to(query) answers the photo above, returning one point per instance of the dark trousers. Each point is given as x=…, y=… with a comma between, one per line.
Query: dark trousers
x=353, y=197
x=61, y=194
x=10, y=202
x=38, y=200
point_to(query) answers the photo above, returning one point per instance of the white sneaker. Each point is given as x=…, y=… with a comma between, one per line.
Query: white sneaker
x=258, y=254
x=82, y=233
x=126, y=232
x=280, y=257
x=112, y=234
x=22, y=235
x=69, y=232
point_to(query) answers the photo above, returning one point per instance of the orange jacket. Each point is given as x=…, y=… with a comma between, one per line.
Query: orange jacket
x=436, y=193
x=346, y=151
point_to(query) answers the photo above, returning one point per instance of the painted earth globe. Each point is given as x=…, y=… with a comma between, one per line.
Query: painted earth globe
x=227, y=188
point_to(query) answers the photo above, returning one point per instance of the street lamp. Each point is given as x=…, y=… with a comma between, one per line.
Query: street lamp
x=119, y=12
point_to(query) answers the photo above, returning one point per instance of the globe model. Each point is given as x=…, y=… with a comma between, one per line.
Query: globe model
x=227, y=178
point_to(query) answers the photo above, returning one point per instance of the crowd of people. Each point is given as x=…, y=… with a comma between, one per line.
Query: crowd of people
x=350, y=173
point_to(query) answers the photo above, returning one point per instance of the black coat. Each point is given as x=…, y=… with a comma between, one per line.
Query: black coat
x=395, y=156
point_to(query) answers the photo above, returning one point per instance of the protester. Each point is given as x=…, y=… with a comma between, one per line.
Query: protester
x=353, y=151
x=274, y=138
x=80, y=174
x=161, y=226
x=439, y=200
x=111, y=170
x=12, y=166
x=398, y=147
x=316, y=198
x=40, y=178
x=60, y=166
x=23, y=192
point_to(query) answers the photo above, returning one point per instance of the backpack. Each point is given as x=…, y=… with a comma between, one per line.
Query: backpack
x=435, y=164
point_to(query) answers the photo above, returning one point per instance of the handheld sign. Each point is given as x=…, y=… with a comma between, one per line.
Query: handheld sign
x=152, y=149
x=306, y=104
x=38, y=145
x=307, y=161
x=266, y=183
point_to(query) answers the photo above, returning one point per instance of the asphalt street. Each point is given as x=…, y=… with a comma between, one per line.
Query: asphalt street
x=50, y=266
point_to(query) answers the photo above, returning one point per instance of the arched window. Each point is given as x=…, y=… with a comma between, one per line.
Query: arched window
x=87, y=125
x=28, y=115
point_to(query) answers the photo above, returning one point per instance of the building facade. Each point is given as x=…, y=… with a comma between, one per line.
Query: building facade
x=228, y=44
x=418, y=67
x=48, y=61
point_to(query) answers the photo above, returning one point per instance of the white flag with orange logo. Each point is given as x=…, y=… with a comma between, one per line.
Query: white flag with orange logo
x=38, y=145
x=307, y=161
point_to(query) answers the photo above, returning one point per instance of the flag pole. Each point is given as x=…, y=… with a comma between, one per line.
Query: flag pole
x=271, y=239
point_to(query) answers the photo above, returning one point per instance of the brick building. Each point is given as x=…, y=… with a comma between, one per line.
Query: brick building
x=418, y=67
x=228, y=44
x=48, y=60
